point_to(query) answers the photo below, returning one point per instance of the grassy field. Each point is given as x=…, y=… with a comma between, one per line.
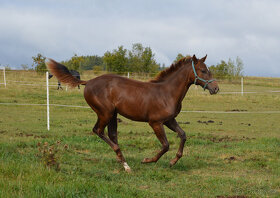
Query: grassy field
x=234, y=152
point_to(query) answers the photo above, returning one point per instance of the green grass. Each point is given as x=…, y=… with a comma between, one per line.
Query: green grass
x=237, y=154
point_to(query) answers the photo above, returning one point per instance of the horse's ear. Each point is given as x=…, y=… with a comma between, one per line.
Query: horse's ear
x=204, y=58
x=194, y=59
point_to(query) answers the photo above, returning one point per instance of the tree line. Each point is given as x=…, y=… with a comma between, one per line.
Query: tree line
x=228, y=69
x=138, y=59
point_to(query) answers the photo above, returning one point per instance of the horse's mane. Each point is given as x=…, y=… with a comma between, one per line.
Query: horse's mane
x=174, y=67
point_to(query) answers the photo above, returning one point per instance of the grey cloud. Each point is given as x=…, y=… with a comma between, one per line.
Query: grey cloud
x=222, y=29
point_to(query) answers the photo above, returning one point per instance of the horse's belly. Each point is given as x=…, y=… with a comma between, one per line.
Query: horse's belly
x=145, y=113
x=133, y=112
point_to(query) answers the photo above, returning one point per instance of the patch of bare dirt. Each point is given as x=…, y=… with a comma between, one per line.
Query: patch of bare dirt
x=237, y=110
x=220, y=139
x=206, y=122
x=30, y=135
x=183, y=122
x=249, y=124
x=235, y=196
x=232, y=158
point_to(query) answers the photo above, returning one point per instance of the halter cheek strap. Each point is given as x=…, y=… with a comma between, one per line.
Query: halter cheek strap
x=201, y=79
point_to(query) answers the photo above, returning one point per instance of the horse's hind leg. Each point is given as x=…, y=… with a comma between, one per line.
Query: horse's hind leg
x=79, y=79
x=99, y=130
x=59, y=86
x=112, y=129
x=173, y=125
x=159, y=131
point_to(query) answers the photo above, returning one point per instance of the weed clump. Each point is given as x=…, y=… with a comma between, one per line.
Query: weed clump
x=49, y=154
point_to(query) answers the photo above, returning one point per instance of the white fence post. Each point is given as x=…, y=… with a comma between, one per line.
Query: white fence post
x=242, y=86
x=127, y=74
x=48, y=104
x=4, y=77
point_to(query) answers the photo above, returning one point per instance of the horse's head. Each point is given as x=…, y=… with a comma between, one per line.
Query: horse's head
x=202, y=76
x=50, y=75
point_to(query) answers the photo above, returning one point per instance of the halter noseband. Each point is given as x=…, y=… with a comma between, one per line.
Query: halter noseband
x=201, y=79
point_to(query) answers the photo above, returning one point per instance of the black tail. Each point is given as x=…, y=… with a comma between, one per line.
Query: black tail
x=63, y=74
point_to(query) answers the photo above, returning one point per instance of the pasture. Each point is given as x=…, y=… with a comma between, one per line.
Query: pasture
x=234, y=151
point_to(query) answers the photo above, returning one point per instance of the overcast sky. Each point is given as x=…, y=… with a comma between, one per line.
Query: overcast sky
x=222, y=29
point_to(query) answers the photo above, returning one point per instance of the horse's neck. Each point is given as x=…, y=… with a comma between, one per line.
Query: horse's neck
x=179, y=83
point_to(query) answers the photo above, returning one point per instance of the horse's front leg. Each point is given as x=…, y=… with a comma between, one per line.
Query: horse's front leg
x=173, y=125
x=160, y=133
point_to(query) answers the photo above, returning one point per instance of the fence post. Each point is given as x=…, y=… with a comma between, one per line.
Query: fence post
x=242, y=86
x=4, y=77
x=127, y=74
x=48, y=104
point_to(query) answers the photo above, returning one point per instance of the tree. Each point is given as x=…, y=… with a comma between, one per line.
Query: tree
x=117, y=60
x=39, y=63
x=230, y=69
x=92, y=61
x=239, y=66
x=75, y=62
x=7, y=67
x=97, y=69
x=24, y=66
x=138, y=59
x=83, y=62
x=220, y=70
x=180, y=56
x=134, y=57
x=142, y=59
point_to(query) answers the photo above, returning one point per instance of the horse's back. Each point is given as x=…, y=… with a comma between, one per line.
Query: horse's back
x=110, y=85
x=114, y=81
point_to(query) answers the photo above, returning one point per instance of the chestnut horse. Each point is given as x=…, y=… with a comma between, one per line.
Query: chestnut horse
x=157, y=102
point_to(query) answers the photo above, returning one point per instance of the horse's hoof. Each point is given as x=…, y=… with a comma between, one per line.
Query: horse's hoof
x=173, y=162
x=147, y=160
x=128, y=170
x=126, y=167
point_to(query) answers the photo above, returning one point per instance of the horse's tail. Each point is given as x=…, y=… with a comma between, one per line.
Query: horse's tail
x=63, y=74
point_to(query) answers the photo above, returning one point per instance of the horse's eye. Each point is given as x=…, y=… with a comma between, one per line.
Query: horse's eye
x=204, y=71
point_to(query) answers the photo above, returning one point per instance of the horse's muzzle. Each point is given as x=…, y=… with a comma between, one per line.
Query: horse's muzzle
x=213, y=88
